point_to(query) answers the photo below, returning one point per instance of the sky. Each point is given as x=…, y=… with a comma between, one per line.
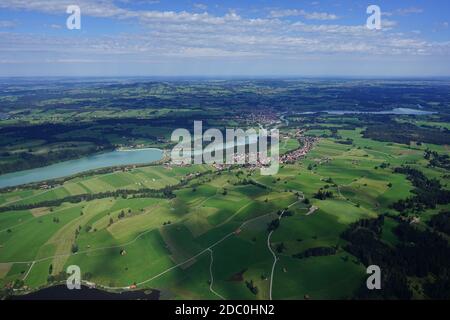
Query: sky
x=229, y=38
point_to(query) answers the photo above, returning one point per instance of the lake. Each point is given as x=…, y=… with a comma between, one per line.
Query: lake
x=71, y=167
x=60, y=292
x=396, y=111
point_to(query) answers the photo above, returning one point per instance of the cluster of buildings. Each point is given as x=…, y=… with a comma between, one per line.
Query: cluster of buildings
x=307, y=145
x=243, y=159
x=265, y=119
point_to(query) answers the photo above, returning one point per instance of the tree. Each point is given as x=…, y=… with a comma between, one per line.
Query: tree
x=251, y=286
x=280, y=247
x=323, y=195
x=74, y=248
x=273, y=225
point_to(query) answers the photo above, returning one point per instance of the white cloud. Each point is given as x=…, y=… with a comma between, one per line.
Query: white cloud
x=403, y=11
x=408, y=11
x=200, y=6
x=303, y=13
x=386, y=23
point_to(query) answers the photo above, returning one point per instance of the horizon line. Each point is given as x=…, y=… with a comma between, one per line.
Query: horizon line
x=230, y=77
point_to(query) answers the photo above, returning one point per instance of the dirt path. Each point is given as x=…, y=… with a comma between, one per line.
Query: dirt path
x=275, y=258
x=312, y=210
x=212, y=277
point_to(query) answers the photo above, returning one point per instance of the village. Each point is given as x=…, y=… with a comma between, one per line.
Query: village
x=306, y=143
x=257, y=160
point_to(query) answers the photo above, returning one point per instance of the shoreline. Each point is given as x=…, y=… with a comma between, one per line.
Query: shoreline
x=136, y=149
x=99, y=291
x=164, y=158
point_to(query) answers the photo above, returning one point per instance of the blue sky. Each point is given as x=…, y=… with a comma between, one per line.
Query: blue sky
x=224, y=38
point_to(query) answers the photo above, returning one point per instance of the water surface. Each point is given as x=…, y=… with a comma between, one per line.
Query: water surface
x=396, y=111
x=71, y=167
x=60, y=292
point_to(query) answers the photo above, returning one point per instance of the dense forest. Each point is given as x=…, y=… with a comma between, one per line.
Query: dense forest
x=441, y=222
x=422, y=254
x=314, y=252
x=405, y=133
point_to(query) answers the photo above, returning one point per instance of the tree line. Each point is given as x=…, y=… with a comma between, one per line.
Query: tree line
x=428, y=193
x=165, y=193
